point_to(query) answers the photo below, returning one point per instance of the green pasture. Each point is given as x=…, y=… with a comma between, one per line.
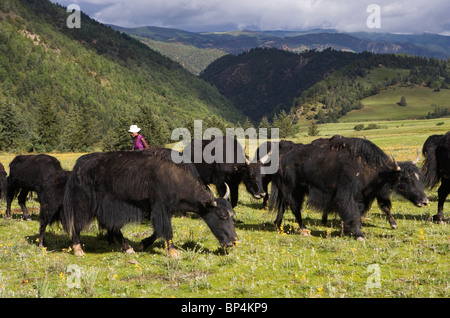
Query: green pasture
x=412, y=261
x=383, y=106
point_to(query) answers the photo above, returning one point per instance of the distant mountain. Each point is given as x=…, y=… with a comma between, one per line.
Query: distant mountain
x=235, y=42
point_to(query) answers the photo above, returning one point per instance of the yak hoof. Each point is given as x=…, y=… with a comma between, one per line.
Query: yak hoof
x=305, y=232
x=394, y=226
x=439, y=219
x=361, y=238
x=77, y=250
x=130, y=251
x=173, y=253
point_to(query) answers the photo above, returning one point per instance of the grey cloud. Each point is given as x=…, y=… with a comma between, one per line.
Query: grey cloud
x=413, y=16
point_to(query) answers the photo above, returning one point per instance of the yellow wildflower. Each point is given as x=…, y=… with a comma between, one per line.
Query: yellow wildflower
x=320, y=290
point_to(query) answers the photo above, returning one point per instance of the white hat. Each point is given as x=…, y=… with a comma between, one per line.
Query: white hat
x=134, y=129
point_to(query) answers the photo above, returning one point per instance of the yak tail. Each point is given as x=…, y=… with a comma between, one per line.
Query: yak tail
x=429, y=169
x=75, y=199
x=67, y=213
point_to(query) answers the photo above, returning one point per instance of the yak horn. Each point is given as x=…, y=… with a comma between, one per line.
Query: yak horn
x=264, y=159
x=213, y=202
x=396, y=166
x=227, y=194
x=418, y=157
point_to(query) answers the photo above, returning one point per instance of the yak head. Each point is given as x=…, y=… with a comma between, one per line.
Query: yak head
x=252, y=177
x=410, y=183
x=219, y=218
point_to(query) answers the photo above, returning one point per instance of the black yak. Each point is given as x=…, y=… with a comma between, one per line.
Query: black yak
x=51, y=201
x=283, y=147
x=339, y=174
x=121, y=187
x=27, y=173
x=436, y=168
x=2, y=178
x=232, y=166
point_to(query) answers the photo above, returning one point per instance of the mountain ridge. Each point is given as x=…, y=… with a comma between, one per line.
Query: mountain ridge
x=235, y=42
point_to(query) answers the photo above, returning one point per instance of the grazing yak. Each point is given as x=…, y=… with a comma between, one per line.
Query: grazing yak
x=121, y=187
x=409, y=171
x=409, y=185
x=232, y=166
x=339, y=174
x=27, y=173
x=436, y=168
x=51, y=202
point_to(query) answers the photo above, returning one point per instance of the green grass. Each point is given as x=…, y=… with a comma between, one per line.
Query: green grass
x=379, y=74
x=412, y=261
x=265, y=263
x=393, y=135
x=383, y=106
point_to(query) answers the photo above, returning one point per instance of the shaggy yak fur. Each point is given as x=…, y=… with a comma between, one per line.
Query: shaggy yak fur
x=283, y=147
x=27, y=173
x=222, y=171
x=436, y=168
x=339, y=174
x=51, y=201
x=2, y=178
x=121, y=187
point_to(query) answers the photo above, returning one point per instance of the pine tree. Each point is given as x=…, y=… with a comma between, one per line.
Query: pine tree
x=9, y=125
x=47, y=125
x=89, y=134
x=264, y=123
x=312, y=129
x=284, y=123
x=153, y=128
x=247, y=124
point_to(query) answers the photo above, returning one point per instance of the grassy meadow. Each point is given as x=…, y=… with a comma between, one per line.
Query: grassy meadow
x=420, y=101
x=410, y=262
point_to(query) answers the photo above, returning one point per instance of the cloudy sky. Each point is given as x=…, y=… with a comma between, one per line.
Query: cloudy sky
x=395, y=16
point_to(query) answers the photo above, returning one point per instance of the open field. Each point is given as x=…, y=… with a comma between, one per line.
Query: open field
x=412, y=261
x=383, y=106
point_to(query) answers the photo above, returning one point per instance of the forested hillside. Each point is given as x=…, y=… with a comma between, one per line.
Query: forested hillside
x=263, y=82
x=75, y=89
x=321, y=86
